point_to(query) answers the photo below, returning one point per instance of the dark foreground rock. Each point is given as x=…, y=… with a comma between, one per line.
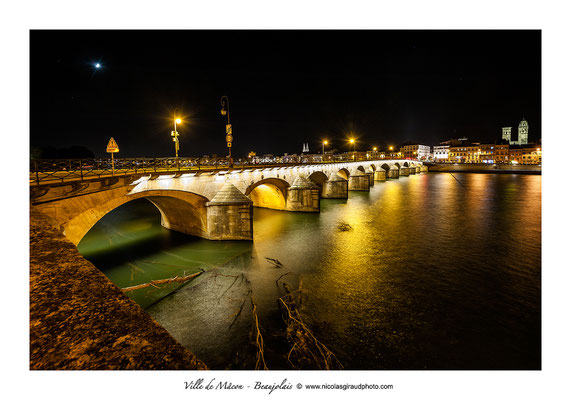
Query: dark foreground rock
x=80, y=320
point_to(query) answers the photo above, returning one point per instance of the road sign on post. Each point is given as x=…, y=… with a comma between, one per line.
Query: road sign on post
x=112, y=147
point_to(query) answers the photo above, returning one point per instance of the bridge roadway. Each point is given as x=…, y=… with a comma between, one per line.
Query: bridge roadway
x=213, y=204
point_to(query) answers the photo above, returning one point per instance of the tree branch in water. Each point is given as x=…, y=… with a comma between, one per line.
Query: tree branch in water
x=176, y=279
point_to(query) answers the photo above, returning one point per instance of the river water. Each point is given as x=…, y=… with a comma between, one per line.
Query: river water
x=431, y=271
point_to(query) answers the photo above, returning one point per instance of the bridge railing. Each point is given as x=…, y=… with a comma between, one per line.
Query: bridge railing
x=59, y=170
x=44, y=171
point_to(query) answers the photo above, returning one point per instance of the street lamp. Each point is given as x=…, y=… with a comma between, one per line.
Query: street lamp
x=226, y=111
x=175, y=135
x=323, y=150
x=352, y=141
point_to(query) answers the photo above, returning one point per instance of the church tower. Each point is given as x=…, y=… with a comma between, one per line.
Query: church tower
x=522, y=132
x=507, y=133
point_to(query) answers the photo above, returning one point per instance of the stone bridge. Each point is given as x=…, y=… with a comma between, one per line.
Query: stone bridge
x=215, y=205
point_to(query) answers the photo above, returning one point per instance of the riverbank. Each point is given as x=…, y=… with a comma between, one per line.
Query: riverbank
x=79, y=320
x=486, y=168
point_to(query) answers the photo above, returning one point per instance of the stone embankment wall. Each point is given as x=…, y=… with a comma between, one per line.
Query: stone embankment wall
x=486, y=168
x=80, y=320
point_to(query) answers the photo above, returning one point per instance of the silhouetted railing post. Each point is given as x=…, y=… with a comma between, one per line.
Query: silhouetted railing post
x=80, y=169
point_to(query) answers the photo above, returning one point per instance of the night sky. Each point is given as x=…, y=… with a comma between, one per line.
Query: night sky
x=285, y=88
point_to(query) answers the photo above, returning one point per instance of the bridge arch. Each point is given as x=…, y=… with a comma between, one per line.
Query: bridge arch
x=318, y=177
x=361, y=168
x=180, y=211
x=268, y=193
x=344, y=173
x=405, y=164
x=386, y=167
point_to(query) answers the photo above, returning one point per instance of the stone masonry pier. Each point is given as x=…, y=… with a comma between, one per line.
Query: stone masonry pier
x=79, y=320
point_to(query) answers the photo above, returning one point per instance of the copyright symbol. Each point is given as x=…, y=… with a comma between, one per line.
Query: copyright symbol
x=299, y=386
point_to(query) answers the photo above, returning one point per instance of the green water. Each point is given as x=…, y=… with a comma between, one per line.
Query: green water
x=131, y=247
x=435, y=271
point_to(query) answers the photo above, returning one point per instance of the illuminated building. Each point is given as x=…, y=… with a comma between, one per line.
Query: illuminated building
x=493, y=153
x=464, y=154
x=441, y=153
x=533, y=157
x=501, y=153
x=486, y=154
x=530, y=154
x=416, y=151
x=522, y=132
x=507, y=133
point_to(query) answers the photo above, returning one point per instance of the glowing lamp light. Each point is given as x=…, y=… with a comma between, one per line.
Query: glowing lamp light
x=97, y=65
x=352, y=141
x=178, y=121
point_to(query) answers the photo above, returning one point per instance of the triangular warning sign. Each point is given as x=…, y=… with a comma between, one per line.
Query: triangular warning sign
x=112, y=146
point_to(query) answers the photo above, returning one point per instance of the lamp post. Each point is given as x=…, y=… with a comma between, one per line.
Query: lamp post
x=352, y=141
x=175, y=135
x=323, y=150
x=226, y=111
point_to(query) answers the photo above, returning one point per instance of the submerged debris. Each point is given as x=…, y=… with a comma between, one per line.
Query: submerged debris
x=162, y=281
x=275, y=262
x=344, y=227
x=306, y=351
x=260, y=361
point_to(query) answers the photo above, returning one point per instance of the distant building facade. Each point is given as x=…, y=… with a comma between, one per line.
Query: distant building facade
x=533, y=157
x=416, y=151
x=464, y=154
x=440, y=152
x=522, y=134
x=507, y=133
x=501, y=153
x=527, y=154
